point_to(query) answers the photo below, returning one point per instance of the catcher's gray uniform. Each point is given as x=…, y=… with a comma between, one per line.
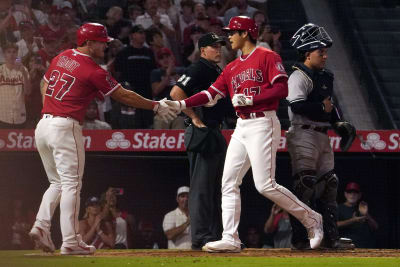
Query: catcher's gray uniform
x=315, y=182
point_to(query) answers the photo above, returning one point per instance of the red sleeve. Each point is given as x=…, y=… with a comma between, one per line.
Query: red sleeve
x=219, y=87
x=278, y=91
x=274, y=67
x=103, y=81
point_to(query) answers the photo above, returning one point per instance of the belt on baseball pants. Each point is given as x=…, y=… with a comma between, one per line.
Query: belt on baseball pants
x=253, y=115
x=321, y=129
x=49, y=116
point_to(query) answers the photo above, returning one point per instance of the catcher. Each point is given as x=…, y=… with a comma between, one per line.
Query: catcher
x=312, y=113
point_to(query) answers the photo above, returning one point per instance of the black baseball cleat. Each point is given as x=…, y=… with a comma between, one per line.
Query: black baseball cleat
x=302, y=245
x=339, y=244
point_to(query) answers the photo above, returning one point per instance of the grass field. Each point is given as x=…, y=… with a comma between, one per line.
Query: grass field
x=138, y=258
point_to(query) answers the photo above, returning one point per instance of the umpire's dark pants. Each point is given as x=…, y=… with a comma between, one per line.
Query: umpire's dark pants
x=205, y=196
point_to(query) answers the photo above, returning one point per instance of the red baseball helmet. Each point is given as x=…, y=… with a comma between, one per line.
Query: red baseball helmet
x=93, y=32
x=243, y=23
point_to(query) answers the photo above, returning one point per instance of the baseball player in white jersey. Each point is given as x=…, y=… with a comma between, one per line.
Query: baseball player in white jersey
x=256, y=82
x=72, y=81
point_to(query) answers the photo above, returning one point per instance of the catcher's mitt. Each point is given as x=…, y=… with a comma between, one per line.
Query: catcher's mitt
x=347, y=132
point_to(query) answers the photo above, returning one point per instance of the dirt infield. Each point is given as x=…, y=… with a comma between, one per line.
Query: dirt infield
x=279, y=253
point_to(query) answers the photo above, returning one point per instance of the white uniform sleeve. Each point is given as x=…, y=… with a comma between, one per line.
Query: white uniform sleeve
x=300, y=87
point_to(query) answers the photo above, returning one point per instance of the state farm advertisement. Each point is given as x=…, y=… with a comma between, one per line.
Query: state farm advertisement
x=173, y=140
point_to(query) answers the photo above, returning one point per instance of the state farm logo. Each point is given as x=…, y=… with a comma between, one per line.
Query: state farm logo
x=2, y=143
x=118, y=140
x=373, y=142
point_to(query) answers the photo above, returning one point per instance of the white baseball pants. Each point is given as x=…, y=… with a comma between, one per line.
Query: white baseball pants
x=255, y=143
x=60, y=145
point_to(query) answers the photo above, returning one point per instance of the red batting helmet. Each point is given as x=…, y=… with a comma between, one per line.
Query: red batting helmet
x=93, y=32
x=243, y=23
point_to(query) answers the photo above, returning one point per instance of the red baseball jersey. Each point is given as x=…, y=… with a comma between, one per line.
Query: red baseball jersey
x=74, y=81
x=253, y=75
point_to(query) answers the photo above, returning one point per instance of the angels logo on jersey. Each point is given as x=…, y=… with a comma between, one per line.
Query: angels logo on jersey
x=246, y=75
x=280, y=67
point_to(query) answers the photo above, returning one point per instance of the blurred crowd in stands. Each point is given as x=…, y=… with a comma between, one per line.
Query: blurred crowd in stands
x=107, y=222
x=154, y=41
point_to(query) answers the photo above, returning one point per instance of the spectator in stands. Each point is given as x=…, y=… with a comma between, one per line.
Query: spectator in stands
x=34, y=105
x=191, y=52
x=70, y=14
x=354, y=219
x=53, y=26
x=240, y=8
x=51, y=47
x=168, y=8
x=176, y=223
x=39, y=17
x=212, y=9
x=253, y=237
x=116, y=24
x=134, y=64
x=69, y=41
x=15, y=84
x=91, y=119
x=134, y=11
x=94, y=228
x=154, y=39
x=278, y=224
x=200, y=21
x=152, y=17
x=162, y=81
x=146, y=237
x=20, y=226
x=186, y=17
x=28, y=44
x=260, y=18
x=7, y=27
x=269, y=38
x=112, y=212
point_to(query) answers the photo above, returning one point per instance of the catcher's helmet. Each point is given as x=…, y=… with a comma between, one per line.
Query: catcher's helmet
x=310, y=37
x=93, y=32
x=243, y=23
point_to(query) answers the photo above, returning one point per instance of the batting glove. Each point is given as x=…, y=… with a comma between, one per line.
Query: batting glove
x=163, y=110
x=176, y=106
x=239, y=100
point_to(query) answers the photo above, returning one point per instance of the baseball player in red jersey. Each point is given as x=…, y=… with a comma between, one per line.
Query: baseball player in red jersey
x=256, y=82
x=72, y=81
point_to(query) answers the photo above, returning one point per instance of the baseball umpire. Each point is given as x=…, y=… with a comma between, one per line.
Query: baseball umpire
x=205, y=144
x=312, y=113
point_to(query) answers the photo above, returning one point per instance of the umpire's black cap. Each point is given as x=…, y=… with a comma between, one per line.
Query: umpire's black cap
x=210, y=39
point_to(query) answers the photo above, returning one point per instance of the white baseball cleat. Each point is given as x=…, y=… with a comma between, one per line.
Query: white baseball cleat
x=42, y=239
x=220, y=246
x=80, y=249
x=316, y=232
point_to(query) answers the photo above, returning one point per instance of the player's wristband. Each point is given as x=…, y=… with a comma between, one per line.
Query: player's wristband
x=100, y=232
x=182, y=104
x=155, y=105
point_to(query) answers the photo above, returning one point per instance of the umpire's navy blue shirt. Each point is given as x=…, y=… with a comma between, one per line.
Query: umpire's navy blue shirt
x=198, y=77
